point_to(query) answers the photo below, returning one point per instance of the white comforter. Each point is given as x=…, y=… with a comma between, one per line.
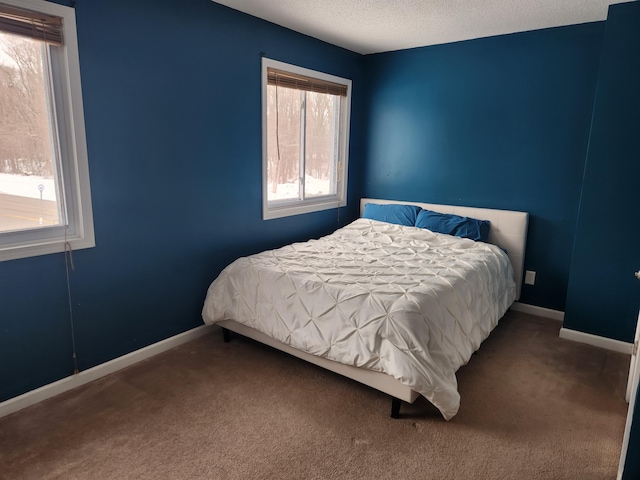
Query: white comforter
x=400, y=300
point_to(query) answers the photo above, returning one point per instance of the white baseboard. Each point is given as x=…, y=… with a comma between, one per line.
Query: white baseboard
x=597, y=341
x=47, y=391
x=574, y=335
x=539, y=311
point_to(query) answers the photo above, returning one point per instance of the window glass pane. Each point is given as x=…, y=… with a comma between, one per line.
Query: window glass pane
x=283, y=143
x=28, y=184
x=321, y=142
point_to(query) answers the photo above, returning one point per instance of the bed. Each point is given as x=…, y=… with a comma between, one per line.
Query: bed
x=395, y=307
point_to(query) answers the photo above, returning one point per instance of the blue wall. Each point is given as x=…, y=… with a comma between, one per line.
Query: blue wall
x=172, y=109
x=604, y=295
x=500, y=122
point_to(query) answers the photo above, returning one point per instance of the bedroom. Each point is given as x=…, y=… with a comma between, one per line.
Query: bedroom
x=173, y=160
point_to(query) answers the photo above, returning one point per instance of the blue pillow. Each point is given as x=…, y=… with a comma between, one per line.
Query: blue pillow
x=450, y=224
x=392, y=213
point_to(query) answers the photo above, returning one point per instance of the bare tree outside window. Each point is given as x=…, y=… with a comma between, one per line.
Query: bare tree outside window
x=28, y=197
x=283, y=142
x=300, y=126
x=321, y=143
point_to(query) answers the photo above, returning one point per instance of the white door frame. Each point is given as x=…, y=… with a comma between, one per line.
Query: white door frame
x=632, y=392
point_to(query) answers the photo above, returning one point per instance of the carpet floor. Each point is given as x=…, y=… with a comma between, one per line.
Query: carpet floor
x=534, y=406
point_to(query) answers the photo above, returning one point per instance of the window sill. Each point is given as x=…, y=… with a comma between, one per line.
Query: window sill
x=280, y=211
x=54, y=245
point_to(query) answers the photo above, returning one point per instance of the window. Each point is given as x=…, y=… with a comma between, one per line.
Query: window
x=305, y=130
x=45, y=201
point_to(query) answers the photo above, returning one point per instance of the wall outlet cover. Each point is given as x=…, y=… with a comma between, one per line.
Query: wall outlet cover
x=530, y=277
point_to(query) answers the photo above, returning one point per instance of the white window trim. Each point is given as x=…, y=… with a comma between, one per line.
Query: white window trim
x=311, y=205
x=72, y=137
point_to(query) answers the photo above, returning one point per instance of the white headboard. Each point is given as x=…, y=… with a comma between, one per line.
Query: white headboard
x=508, y=229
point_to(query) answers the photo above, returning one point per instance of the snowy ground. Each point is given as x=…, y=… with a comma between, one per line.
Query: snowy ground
x=290, y=190
x=27, y=186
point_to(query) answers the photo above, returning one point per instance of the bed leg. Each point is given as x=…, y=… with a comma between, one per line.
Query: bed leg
x=226, y=335
x=395, y=407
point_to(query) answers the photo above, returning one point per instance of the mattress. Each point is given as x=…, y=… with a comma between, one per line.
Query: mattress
x=399, y=300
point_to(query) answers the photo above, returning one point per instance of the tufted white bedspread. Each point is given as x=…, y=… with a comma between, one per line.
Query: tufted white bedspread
x=400, y=300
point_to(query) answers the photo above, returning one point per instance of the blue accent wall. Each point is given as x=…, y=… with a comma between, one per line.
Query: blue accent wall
x=604, y=296
x=499, y=122
x=173, y=117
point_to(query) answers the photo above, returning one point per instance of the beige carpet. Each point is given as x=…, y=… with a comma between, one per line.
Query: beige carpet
x=533, y=407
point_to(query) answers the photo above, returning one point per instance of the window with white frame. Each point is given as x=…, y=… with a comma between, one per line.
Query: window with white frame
x=305, y=129
x=45, y=200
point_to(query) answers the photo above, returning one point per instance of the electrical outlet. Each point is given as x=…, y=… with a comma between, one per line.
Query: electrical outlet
x=530, y=277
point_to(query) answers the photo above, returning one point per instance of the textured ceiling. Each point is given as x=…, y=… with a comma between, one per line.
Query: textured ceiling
x=372, y=26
